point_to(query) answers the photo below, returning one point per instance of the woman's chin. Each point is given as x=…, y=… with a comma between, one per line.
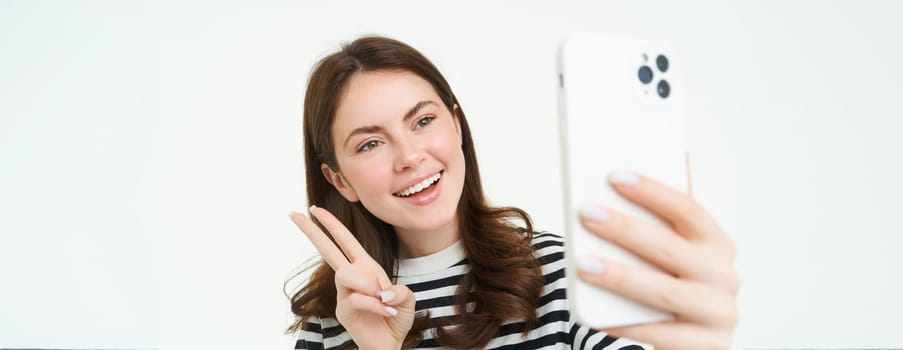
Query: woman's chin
x=437, y=225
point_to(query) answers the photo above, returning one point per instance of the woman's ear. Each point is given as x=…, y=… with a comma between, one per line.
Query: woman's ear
x=335, y=178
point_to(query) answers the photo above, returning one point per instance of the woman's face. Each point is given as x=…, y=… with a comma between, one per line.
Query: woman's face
x=398, y=151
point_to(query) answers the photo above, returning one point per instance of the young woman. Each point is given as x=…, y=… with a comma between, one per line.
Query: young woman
x=414, y=256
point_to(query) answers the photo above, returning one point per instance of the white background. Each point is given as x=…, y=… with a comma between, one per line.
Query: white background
x=149, y=154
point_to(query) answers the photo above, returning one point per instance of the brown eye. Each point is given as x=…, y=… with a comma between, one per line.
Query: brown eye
x=368, y=146
x=423, y=122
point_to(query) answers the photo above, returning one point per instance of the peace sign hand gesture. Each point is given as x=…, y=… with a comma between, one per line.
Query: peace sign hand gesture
x=375, y=312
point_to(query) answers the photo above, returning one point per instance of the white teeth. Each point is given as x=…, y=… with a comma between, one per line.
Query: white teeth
x=420, y=186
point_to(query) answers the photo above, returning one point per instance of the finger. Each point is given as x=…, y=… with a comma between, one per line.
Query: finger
x=676, y=207
x=352, y=278
x=675, y=336
x=340, y=233
x=398, y=295
x=324, y=245
x=369, y=303
x=652, y=242
x=689, y=301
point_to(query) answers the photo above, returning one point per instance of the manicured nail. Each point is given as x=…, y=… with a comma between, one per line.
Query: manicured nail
x=312, y=207
x=594, y=213
x=621, y=177
x=387, y=296
x=590, y=265
x=291, y=213
x=391, y=311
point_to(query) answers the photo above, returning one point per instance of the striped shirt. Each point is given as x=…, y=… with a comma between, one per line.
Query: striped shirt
x=434, y=280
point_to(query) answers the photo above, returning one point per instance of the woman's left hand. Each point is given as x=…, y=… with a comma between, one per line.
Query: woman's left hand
x=699, y=284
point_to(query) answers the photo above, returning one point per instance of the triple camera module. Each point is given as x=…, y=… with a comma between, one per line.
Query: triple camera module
x=646, y=75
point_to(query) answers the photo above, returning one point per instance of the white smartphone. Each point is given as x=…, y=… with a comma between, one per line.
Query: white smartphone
x=620, y=109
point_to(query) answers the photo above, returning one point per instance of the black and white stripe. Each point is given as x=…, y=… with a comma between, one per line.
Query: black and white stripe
x=435, y=292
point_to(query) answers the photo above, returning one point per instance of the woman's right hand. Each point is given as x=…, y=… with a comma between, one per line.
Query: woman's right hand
x=375, y=312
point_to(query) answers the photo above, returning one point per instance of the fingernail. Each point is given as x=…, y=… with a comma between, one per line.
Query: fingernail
x=594, y=213
x=391, y=311
x=291, y=214
x=590, y=265
x=312, y=207
x=623, y=177
x=387, y=296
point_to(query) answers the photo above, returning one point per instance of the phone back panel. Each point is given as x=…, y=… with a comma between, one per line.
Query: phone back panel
x=611, y=120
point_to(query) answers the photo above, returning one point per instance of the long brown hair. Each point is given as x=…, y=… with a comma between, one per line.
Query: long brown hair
x=504, y=281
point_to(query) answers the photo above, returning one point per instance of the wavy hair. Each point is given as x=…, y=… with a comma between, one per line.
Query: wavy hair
x=504, y=281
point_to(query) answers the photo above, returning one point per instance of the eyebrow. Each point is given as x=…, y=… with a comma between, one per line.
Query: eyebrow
x=373, y=128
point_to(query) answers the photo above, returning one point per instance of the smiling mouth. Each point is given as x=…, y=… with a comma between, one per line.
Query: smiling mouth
x=417, y=188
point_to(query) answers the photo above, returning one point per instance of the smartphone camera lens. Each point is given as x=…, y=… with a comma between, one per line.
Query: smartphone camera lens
x=645, y=74
x=664, y=89
x=662, y=63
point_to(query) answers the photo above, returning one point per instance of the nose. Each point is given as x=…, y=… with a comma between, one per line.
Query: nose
x=409, y=154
